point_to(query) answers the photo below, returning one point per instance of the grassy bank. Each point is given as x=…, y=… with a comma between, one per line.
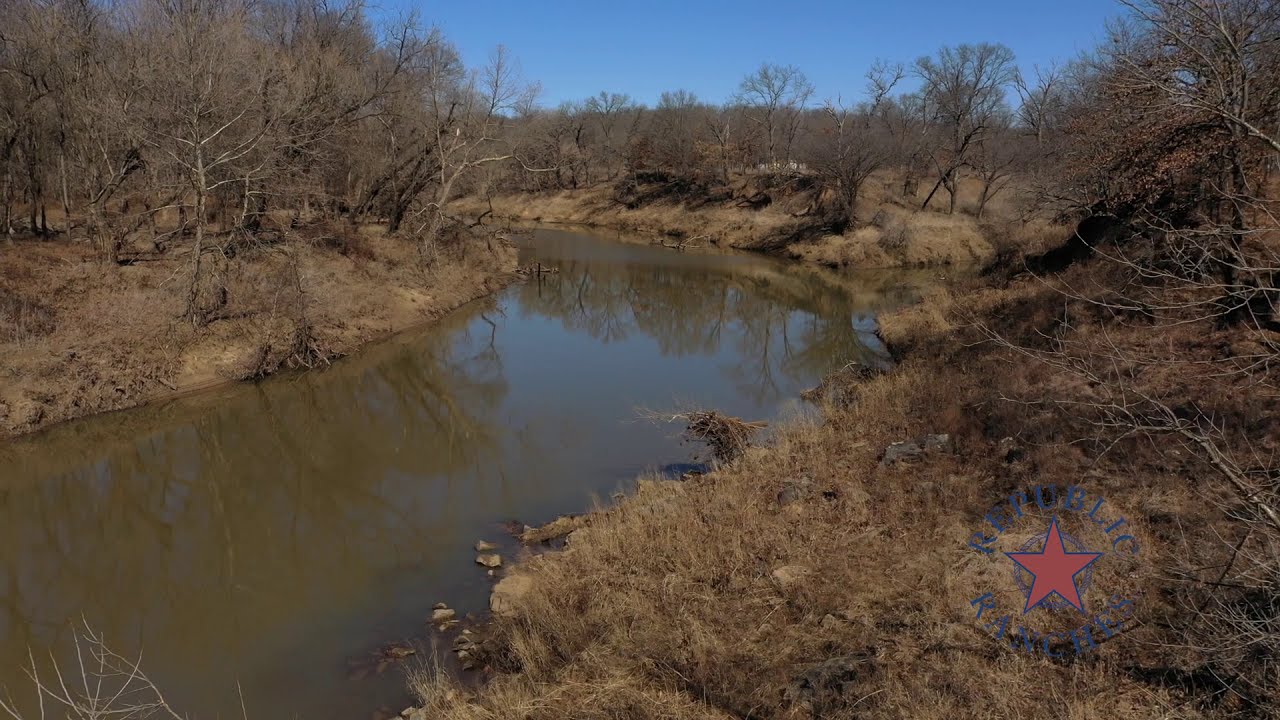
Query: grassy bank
x=79, y=336
x=776, y=215
x=815, y=577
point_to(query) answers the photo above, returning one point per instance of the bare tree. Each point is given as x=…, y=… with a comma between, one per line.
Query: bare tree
x=724, y=126
x=850, y=148
x=1175, y=121
x=994, y=159
x=465, y=115
x=777, y=96
x=613, y=114
x=677, y=127
x=963, y=88
x=1041, y=103
x=905, y=120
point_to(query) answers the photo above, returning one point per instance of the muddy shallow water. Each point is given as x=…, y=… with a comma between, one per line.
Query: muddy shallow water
x=272, y=535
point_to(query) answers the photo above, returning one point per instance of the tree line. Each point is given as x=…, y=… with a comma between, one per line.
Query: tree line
x=195, y=126
x=959, y=118
x=201, y=125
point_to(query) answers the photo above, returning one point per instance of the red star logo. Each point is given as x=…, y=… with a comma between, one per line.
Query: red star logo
x=1054, y=570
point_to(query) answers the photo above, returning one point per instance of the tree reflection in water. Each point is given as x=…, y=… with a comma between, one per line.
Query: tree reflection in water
x=780, y=321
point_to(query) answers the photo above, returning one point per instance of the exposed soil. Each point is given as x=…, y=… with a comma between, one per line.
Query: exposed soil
x=891, y=232
x=78, y=336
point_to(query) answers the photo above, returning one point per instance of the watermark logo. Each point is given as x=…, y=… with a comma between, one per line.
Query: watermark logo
x=1064, y=558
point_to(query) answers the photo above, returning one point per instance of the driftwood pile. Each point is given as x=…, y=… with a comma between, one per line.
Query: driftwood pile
x=728, y=437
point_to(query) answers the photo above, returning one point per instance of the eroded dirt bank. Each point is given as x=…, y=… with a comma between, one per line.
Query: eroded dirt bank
x=79, y=336
x=890, y=234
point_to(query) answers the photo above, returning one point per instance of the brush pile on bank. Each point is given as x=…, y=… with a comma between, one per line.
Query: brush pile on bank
x=727, y=437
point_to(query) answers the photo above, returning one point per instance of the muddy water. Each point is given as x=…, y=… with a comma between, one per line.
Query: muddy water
x=270, y=536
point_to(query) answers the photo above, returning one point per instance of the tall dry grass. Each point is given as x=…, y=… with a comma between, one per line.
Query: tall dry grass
x=809, y=579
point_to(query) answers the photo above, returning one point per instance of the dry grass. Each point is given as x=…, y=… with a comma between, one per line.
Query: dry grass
x=808, y=579
x=894, y=233
x=898, y=237
x=78, y=336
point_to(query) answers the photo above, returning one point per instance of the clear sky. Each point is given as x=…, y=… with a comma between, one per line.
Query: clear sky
x=642, y=47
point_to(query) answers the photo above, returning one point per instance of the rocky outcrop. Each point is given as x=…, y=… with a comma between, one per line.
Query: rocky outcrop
x=508, y=594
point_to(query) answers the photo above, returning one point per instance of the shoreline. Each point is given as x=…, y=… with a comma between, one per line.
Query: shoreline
x=660, y=598
x=210, y=386
x=202, y=365
x=892, y=236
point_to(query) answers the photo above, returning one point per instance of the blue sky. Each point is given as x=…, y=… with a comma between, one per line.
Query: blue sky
x=575, y=49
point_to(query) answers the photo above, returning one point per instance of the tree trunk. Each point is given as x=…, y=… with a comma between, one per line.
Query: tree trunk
x=942, y=179
x=193, y=294
x=8, y=204
x=62, y=180
x=31, y=211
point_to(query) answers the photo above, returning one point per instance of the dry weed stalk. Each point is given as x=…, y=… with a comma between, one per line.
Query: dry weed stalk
x=105, y=686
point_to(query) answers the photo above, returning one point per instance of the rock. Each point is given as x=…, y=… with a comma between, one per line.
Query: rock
x=789, y=495
x=553, y=530
x=468, y=662
x=439, y=606
x=489, y=561
x=508, y=593
x=831, y=686
x=490, y=573
x=484, y=546
x=914, y=449
x=443, y=615
x=795, y=490
x=935, y=442
x=900, y=451
x=789, y=576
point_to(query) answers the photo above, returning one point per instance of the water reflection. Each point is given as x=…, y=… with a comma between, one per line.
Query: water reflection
x=792, y=323
x=263, y=534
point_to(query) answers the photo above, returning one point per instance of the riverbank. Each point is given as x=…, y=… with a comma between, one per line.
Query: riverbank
x=79, y=336
x=856, y=590
x=894, y=234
